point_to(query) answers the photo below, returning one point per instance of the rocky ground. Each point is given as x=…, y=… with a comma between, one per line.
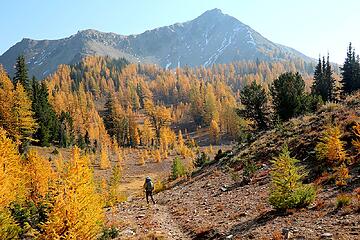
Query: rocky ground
x=213, y=205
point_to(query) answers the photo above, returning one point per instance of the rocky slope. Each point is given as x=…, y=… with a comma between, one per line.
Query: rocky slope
x=215, y=203
x=213, y=37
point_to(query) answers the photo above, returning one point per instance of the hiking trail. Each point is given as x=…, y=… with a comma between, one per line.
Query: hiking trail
x=136, y=219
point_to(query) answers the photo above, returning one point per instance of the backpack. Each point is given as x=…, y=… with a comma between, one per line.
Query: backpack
x=149, y=186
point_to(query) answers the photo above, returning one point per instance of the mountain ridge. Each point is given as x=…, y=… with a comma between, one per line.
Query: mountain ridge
x=211, y=38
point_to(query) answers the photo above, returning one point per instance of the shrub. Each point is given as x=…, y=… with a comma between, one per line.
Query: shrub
x=8, y=227
x=330, y=107
x=357, y=199
x=159, y=186
x=342, y=175
x=29, y=215
x=356, y=142
x=331, y=148
x=287, y=190
x=177, y=169
x=201, y=160
x=343, y=200
x=249, y=169
x=141, y=161
x=55, y=151
x=157, y=156
x=109, y=233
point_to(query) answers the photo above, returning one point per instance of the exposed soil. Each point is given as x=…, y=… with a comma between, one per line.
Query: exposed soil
x=214, y=206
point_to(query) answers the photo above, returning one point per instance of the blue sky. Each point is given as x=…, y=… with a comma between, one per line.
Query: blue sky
x=311, y=26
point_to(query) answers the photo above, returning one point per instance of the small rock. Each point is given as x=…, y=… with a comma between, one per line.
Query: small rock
x=229, y=237
x=287, y=233
x=127, y=232
x=243, y=214
x=223, y=189
x=326, y=235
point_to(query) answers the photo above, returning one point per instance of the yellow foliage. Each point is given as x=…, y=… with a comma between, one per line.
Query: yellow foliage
x=167, y=138
x=164, y=154
x=59, y=163
x=141, y=161
x=10, y=171
x=356, y=142
x=210, y=150
x=214, y=131
x=160, y=116
x=331, y=148
x=104, y=190
x=77, y=211
x=115, y=195
x=136, y=137
x=6, y=102
x=39, y=175
x=157, y=155
x=147, y=133
x=180, y=139
x=342, y=175
x=185, y=151
x=104, y=158
x=24, y=122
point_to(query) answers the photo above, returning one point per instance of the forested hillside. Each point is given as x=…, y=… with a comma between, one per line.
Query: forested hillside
x=197, y=95
x=70, y=142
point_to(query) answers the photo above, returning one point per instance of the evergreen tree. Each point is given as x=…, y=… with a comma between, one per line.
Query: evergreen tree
x=324, y=83
x=87, y=141
x=330, y=82
x=316, y=88
x=44, y=113
x=177, y=169
x=21, y=73
x=350, y=72
x=66, y=130
x=288, y=95
x=254, y=99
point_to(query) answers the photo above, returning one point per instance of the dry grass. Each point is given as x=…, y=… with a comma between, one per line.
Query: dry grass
x=343, y=200
x=154, y=236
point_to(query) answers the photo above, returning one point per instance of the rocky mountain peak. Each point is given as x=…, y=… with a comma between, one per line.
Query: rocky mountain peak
x=211, y=38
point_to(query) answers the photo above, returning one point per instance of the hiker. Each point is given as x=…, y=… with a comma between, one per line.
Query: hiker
x=149, y=187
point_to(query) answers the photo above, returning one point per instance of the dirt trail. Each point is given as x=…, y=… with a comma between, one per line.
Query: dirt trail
x=138, y=220
x=168, y=224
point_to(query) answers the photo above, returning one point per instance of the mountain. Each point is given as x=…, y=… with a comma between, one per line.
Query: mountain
x=213, y=37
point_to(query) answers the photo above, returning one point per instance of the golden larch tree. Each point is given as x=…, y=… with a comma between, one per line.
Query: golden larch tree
x=24, y=122
x=104, y=158
x=11, y=170
x=39, y=175
x=356, y=142
x=214, y=132
x=77, y=211
x=147, y=133
x=6, y=102
x=331, y=148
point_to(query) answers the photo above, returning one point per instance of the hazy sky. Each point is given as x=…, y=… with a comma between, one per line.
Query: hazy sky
x=311, y=26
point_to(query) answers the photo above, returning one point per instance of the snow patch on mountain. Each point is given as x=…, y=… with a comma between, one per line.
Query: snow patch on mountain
x=251, y=39
x=168, y=65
